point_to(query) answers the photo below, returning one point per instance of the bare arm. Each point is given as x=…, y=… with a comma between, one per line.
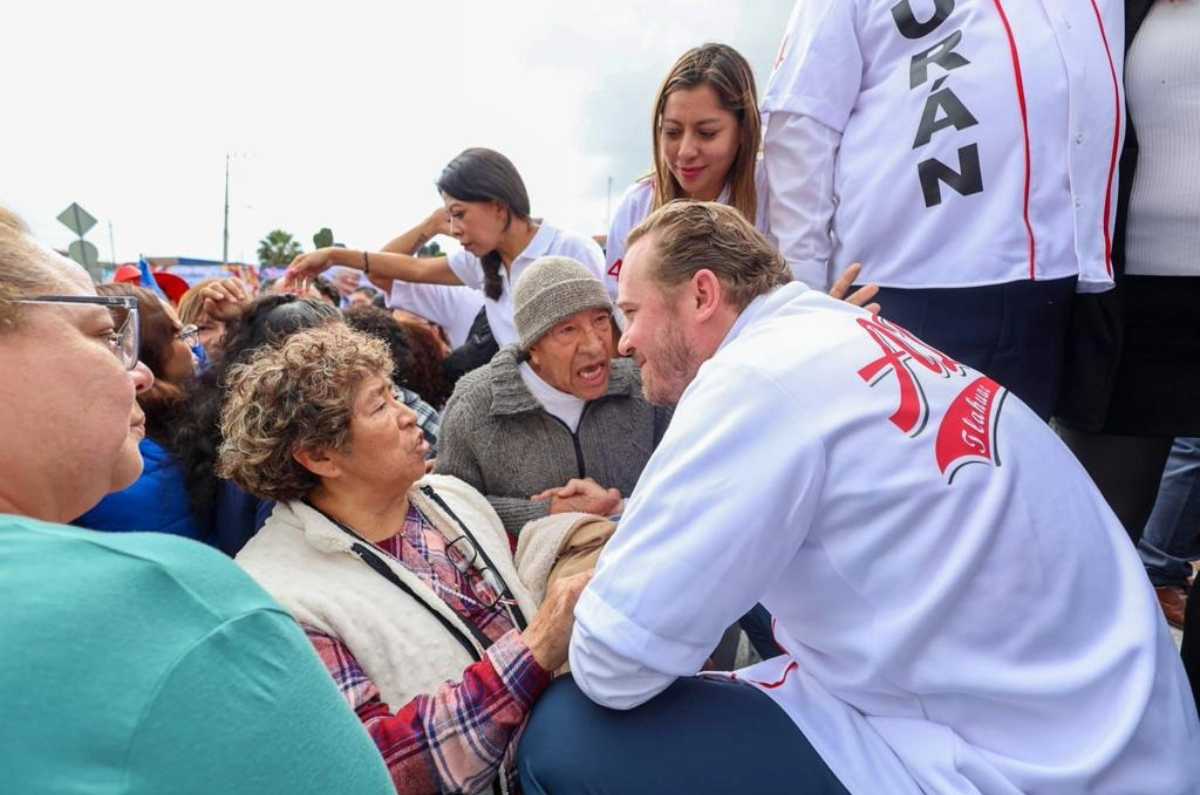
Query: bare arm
x=427, y=270
x=437, y=223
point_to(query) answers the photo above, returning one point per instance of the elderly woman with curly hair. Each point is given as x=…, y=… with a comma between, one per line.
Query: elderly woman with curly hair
x=404, y=583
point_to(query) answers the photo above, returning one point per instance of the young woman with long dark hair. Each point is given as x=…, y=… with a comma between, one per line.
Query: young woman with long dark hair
x=486, y=208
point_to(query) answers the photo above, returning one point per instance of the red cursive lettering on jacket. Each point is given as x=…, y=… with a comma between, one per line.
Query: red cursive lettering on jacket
x=967, y=434
x=900, y=351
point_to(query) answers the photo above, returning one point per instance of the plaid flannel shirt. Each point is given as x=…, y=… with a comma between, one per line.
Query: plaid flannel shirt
x=458, y=738
x=428, y=419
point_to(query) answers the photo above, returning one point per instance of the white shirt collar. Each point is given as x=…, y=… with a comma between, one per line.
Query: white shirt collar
x=539, y=243
x=566, y=407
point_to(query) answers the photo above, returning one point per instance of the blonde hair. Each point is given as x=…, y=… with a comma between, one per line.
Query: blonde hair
x=693, y=236
x=25, y=268
x=729, y=75
x=295, y=396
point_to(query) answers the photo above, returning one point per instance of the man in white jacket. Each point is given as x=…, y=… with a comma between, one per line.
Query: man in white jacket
x=961, y=612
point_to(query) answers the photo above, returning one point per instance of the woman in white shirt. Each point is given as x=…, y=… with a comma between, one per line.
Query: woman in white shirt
x=705, y=138
x=705, y=134
x=487, y=211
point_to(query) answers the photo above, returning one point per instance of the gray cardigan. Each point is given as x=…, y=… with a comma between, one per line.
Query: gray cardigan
x=496, y=436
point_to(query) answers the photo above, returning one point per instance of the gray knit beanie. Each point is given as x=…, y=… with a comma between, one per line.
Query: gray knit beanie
x=550, y=290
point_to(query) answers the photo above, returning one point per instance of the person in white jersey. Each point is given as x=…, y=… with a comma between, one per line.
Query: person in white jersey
x=959, y=609
x=489, y=214
x=965, y=151
x=705, y=136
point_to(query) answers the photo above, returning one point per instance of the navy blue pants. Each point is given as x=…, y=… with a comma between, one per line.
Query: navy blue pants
x=697, y=736
x=1014, y=333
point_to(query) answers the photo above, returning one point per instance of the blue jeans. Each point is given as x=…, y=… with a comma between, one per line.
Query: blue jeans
x=697, y=736
x=1172, y=536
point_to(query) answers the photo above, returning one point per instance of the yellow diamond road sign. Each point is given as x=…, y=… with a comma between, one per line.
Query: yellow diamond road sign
x=77, y=219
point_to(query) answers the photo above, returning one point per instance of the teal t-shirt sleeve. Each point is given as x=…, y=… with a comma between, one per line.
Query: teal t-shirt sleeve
x=250, y=709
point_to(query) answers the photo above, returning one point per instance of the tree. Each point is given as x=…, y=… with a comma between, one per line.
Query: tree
x=430, y=250
x=277, y=249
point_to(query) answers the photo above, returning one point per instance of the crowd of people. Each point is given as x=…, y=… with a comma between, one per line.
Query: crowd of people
x=861, y=458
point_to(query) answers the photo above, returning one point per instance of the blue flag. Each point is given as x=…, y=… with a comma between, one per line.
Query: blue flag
x=148, y=278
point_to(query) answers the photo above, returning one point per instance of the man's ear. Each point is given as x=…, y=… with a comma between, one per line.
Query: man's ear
x=707, y=292
x=317, y=461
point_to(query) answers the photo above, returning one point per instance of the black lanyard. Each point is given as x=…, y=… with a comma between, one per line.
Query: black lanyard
x=365, y=551
x=517, y=615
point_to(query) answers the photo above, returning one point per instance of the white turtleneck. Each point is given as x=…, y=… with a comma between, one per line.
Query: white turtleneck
x=563, y=405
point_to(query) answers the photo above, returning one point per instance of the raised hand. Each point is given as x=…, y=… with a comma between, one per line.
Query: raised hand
x=305, y=268
x=224, y=300
x=861, y=296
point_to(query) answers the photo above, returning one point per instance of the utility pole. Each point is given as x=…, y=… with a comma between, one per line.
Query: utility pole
x=225, y=244
x=112, y=246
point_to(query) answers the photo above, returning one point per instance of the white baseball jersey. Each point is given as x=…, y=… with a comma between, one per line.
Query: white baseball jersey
x=635, y=207
x=548, y=240
x=980, y=138
x=961, y=611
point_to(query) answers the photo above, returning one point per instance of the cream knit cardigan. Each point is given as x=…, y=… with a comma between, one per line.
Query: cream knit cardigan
x=305, y=562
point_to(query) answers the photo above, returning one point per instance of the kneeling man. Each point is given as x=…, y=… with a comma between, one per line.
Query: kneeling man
x=960, y=611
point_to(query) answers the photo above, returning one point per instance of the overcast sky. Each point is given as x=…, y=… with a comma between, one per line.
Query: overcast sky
x=338, y=115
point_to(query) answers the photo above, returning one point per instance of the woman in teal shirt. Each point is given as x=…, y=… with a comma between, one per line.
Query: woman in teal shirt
x=133, y=662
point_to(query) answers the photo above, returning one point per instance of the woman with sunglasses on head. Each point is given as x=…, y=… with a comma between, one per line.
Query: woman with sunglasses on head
x=157, y=501
x=135, y=662
x=404, y=582
x=486, y=208
x=705, y=136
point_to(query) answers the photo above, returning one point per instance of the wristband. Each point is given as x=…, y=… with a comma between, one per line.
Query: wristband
x=366, y=265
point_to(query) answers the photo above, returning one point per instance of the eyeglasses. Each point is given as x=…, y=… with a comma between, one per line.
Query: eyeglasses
x=494, y=591
x=124, y=340
x=189, y=335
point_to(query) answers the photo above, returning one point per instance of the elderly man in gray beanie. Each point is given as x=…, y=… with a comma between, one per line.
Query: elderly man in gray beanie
x=555, y=423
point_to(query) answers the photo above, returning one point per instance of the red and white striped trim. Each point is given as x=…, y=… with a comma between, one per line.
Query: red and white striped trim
x=1016, y=59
